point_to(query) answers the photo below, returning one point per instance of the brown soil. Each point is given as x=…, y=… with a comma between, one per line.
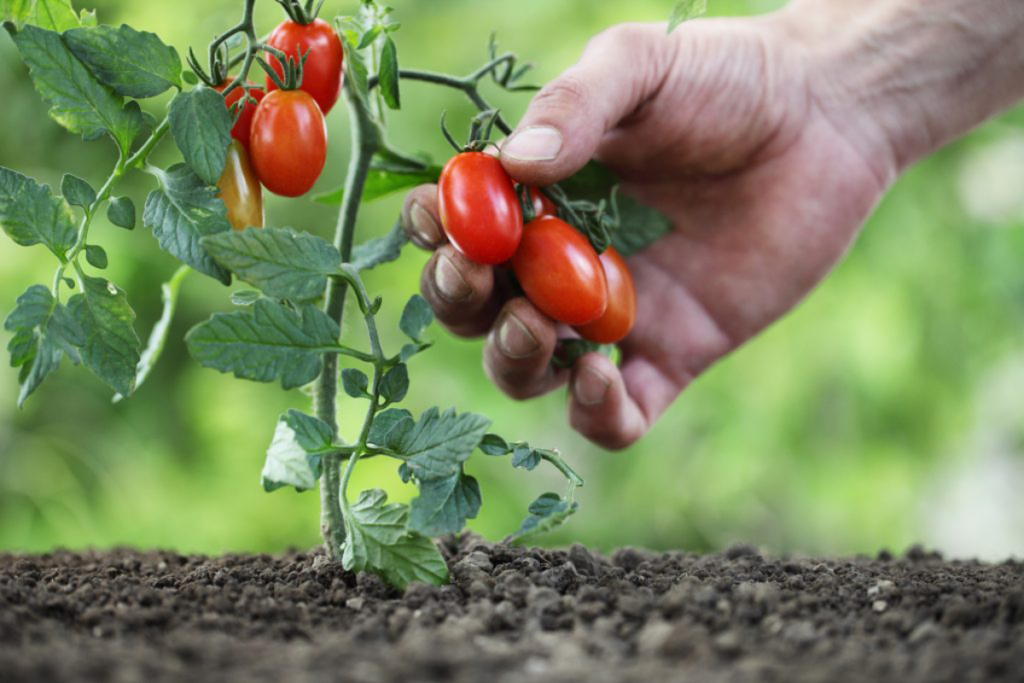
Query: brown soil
x=511, y=615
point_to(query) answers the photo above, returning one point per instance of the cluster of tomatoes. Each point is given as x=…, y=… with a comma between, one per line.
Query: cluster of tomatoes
x=281, y=142
x=556, y=266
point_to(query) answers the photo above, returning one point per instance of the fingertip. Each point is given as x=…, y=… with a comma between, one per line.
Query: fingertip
x=600, y=407
x=460, y=292
x=519, y=350
x=421, y=219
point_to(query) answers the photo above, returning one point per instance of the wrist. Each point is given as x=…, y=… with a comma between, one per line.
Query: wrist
x=908, y=76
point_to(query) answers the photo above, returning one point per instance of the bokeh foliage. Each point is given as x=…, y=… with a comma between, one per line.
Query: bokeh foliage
x=887, y=409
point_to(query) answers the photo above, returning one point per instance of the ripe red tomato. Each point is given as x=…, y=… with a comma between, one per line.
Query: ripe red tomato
x=560, y=272
x=618, y=319
x=240, y=189
x=289, y=142
x=479, y=208
x=322, y=74
x=242, y=130
x=542, y=206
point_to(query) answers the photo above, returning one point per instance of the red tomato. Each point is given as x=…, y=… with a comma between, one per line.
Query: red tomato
x=322, y=74
x=542, y=206
x=243, y=124
x=620, y=315
x=480, y=211
x=240, y=189
x=289, y=142
x=560, y=272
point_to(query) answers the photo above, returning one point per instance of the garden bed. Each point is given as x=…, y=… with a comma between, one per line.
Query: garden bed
x=511, y=615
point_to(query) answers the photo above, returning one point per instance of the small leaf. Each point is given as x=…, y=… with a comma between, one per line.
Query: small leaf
x=312, y=433
x=282, y=263
x=111, y=348
x=380, y=542
x=389, y=427
x=30, y=214
x=492, y=444
x=395, y=385
x=684, y=10
x=77, y=191
x=356, y=73
x=439, y=443
x=183, y=211
x=355, y=382
x=444, y=505
x=416, y=317
x=121, y=212
x=546, y=513
x=267, y=342
x=96, y=256
x=410, y=350
x=287, y=463
x=134, y=63
x=77, y=100
x=369, y=37
x=381, y=250
x=389, y=81
x=201, y=126
x=245, y=297
x=189, y=77
x=55, y=15
x=526, y=457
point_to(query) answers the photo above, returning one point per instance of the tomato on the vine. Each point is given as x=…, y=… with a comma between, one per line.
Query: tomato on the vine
x=240, y=189
x=618, y=318
x=480, y=211
x=322, y=73
x=289, y=142
x=242, y=129
x=542, y=206
x=560, y=272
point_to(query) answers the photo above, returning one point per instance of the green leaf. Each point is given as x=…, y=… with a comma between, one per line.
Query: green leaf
x=388, y=74
x=266, y=342
x=439, y=443
x=641, y=225
x=416, y=317
x=111, y=348
x=245, y=297
x=182, y=212
x=355, y=383
x=96, y=256
x=44, y=330
x=395, y=385
x=410, y=350
x=356, y=73
x=389, y=426
x=684, y=10
x=201, y=126
x=444, y=505
x=492, y=444
x=54, y=15
x=379, y=542
x=30, y=214
x=282, y=263
x=121, y=212
x=546, y=513
x=189, y=77
x=369, y=37
x=77, y=100
x=526, y=457
x=134, y=63
x=381, y=182
x=77, y=191
x=293, y=458
x=161, y=330
x=381, y=250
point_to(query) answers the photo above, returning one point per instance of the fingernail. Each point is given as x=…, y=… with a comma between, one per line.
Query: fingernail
x=450, y=283
x=426, y=229
x=590, y=387
x=535, y=143
x=515, y=340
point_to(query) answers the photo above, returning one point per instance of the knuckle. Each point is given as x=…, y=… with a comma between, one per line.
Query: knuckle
x=568, y=92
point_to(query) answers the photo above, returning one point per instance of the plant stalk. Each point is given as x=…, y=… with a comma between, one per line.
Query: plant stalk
x=366, y=140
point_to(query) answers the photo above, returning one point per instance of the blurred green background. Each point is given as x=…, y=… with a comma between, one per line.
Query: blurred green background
x=888, y=409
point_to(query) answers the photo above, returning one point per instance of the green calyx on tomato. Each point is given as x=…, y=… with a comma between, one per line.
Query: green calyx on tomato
x=289, y=142
x=317, y=48
x=242, y=101
x=480, y=211
x=560, y=272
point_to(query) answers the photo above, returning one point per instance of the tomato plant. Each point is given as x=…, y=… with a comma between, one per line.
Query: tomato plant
x=316, y=41
x=480, y=211
x=238, y=99
x=289, y=142
x=286, y=328
x=618, y=319
x=560, y=272
x=240, y=190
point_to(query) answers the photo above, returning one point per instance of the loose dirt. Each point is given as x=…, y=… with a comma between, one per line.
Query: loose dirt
x=511, y=615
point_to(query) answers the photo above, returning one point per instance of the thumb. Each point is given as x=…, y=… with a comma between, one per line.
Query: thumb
x=566, y=121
